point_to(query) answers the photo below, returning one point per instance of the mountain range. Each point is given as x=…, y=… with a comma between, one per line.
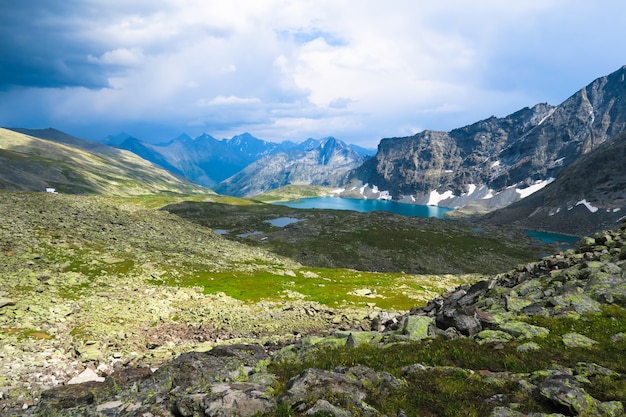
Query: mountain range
x=527, y=148
x=563, y=164
x=209, y=161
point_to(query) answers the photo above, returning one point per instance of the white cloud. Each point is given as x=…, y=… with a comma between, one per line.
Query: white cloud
x=221, y=100
x=356, y=70
x=121, y=56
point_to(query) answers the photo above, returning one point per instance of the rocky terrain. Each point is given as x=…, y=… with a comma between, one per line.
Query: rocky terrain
x=101, y=284
x=544, y=339
x=588, y=195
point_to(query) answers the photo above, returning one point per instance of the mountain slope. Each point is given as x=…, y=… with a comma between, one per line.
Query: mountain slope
x=75, y=166
x=496, y=160
x=204, y=160
x=588, y=196
x=325, y=162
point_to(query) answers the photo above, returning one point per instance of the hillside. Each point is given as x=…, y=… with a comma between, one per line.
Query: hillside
x=588, y=196
x=111, y=283
x=75, y=166
x=496, y=161
x=129, y=307
x=375, y=241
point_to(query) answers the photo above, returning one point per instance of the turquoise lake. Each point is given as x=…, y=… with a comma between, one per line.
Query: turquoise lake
x=337, y=203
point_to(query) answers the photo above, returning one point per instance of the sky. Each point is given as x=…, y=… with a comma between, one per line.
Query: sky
x=293, y=69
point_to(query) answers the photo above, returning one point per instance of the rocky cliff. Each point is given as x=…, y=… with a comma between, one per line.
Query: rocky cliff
x=499, y=160
x=588, y=195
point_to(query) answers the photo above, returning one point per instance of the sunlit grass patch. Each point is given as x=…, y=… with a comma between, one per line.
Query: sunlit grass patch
x=332, y=287
x=24, y=333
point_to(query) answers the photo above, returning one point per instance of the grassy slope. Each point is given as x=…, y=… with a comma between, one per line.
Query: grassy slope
x=70, y=251
x=32, y=164
x=294, y=192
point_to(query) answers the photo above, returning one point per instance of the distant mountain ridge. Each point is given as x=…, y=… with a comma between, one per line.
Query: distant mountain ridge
x=204, y=160
x=496, y=161
x=212, y=162
x=324, y=162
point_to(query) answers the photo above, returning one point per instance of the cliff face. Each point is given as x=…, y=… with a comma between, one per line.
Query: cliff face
x=527, y=148
x=589, y=195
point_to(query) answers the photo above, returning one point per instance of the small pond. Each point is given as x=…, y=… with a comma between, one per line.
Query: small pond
x=282, y=221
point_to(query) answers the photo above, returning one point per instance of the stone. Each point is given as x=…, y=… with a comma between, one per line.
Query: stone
x=416, y=327
x=240, y=399
x=87, y=375
x=6, y=302
x=592, y=370
x=522, y=330
x=563, y=391
x=89, y=352
x=466, y=324
x=505, y=412
x=68, y=396
x=574, y=340
x=515, y=303
x=492, y=336
x=344, y=388
x=323, y=407
x=110, y=405
x=611, y=409
x=618, y=338
x=528, y=347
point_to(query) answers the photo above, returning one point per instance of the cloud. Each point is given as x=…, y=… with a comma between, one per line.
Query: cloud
x=121, y=56
x=289, y=69
x=221, y=100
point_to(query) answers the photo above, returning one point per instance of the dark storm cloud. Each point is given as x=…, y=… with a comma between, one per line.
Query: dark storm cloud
x=42, y=44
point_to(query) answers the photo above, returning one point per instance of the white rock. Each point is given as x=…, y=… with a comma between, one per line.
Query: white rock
x=86, y=376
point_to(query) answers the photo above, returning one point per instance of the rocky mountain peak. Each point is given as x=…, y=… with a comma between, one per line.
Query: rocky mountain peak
x=500, y=158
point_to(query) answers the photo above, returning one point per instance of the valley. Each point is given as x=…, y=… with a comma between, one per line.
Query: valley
x=125, y=305
x=127, y=288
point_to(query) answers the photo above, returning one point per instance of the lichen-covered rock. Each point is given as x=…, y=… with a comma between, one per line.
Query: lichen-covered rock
x=345, y=389
x=239, y=399
x=563, y=391
x=492, y=336
x=417, y=327
x=528, y=347
x=574, y=340
x=522, y=330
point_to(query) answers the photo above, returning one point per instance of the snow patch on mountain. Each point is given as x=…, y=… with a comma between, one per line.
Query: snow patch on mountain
x=588, y=205
x=538, y=185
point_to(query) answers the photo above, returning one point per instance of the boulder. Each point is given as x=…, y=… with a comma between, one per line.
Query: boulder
x=522, y=330
x=574, y=340
x=466, y=324
x=344, y=389
x=239, y=399
x=492, y=336
x=417, y=327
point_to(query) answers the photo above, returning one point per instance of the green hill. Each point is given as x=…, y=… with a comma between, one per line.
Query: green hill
x=74, y=166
